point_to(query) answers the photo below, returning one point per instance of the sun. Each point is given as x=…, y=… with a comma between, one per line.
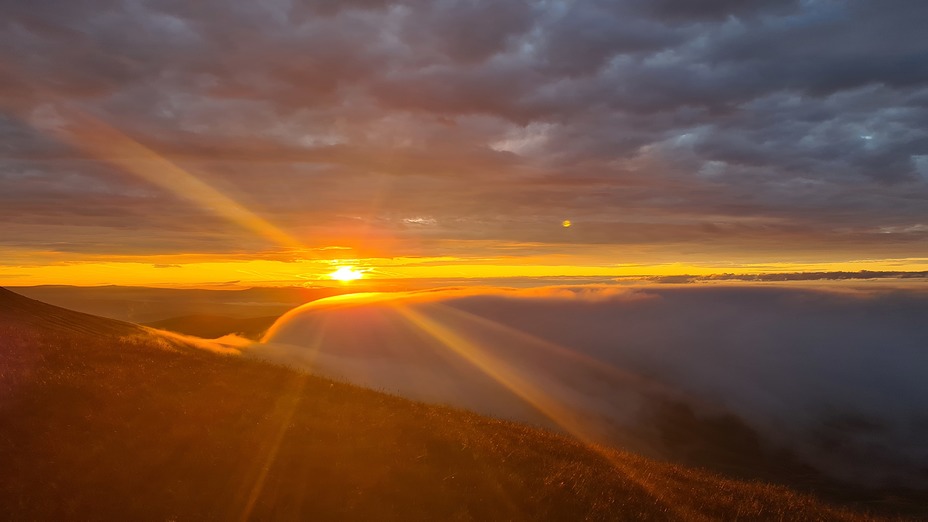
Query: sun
x=346, y=273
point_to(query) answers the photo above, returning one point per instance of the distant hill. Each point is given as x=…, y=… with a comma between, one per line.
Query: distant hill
x=213, y=326
x=145, y=305
x=101, y=419
x=19, y=313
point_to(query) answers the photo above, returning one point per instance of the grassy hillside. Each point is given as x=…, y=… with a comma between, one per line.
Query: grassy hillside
x=104, y=420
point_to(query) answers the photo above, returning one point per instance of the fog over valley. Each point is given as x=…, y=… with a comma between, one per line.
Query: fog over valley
x=831, y=377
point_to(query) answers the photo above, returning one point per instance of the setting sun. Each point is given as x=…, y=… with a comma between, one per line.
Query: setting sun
x=346, y=273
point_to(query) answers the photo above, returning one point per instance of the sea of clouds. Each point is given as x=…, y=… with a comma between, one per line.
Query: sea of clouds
x=834, y=378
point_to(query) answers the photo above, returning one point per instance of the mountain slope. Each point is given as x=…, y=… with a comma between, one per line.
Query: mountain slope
x=18, y=311
x=102, y=419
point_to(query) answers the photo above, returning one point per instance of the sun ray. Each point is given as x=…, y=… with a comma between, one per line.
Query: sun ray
x=562, y=415
x=278, y=423
x=108, y=144
x=575, y=357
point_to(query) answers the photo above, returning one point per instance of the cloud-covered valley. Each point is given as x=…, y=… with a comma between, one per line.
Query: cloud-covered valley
x=763, y=379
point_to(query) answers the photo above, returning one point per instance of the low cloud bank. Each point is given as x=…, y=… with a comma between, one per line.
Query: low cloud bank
x=833, y=378
x=231, y=344
x=789, y=276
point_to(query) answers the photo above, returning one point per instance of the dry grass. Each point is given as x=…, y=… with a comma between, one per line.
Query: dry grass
x=99, y=420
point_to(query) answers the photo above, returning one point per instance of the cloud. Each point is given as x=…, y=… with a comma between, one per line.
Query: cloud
x=795, y=276
x=226, y=345
x=715, y=10
x=831, y=377
x=796, y=125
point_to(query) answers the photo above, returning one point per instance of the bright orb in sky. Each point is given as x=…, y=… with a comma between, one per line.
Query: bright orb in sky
x=566, y=223
x=346, y=273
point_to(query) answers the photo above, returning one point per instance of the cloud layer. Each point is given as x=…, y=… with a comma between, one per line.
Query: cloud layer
x=773, y=127
x=832, y=379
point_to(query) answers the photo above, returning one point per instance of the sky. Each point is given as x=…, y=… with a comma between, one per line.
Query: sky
x=176, y=142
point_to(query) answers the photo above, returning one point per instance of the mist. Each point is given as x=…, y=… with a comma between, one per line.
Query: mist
x=831, y=379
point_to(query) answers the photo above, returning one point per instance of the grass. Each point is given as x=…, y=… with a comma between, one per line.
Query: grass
x=104, y=420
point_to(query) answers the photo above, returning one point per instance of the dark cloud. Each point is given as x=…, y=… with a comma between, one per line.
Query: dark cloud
x=713, y=10
x=583, y=38
x=465, y=31
x=668, y=122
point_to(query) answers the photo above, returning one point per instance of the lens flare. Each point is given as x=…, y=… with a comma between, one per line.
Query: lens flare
x=106, y=143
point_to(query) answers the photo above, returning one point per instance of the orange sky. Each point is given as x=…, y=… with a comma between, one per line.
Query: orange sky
x=317, y=271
